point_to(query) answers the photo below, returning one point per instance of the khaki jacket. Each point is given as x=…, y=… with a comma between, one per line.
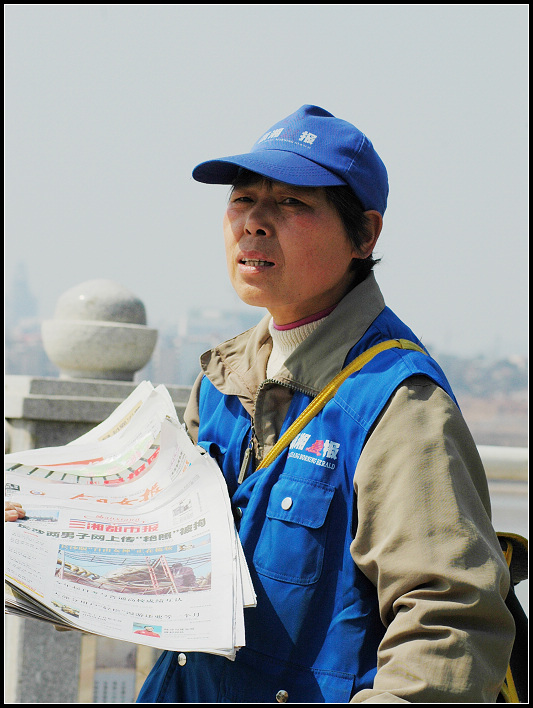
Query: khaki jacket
x=424, y=536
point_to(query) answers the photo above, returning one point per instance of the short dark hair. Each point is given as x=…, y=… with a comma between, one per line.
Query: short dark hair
x=348, y=207
x=356, y=224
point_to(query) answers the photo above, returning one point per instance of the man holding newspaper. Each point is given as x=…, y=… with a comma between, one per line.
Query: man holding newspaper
x=367, y=531
x=378, y=575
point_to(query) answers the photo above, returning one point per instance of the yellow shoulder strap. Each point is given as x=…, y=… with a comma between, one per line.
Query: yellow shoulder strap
x=510, y=542
x=329, y=391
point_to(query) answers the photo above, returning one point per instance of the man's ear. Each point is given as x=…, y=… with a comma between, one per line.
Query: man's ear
x=373, y=230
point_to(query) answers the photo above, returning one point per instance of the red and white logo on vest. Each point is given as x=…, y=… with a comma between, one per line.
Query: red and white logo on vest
x=319, y=452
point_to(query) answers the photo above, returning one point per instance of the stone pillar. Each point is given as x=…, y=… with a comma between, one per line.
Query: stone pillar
x=98, y=339
x=99, y=332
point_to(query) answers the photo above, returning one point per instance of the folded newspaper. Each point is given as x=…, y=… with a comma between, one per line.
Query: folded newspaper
x=128, y=534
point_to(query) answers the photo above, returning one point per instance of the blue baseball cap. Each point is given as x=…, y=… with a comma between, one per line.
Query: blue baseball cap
x=310, y=148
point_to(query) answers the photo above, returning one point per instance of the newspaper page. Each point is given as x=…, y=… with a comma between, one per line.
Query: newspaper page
x=129, y=534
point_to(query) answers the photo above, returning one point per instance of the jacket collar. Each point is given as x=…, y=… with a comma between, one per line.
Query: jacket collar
x=238, y=366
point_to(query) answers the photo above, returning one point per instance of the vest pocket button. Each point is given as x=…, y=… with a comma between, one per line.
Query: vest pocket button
x=282, y=696
x=286, y=503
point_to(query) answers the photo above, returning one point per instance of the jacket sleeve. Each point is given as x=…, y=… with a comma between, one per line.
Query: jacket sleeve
x=426, y=541
x=191, y=417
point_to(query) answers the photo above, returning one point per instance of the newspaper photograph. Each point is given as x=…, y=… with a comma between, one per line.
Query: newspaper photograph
x=129, y=534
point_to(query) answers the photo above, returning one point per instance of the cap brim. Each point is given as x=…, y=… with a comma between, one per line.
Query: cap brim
x=280, y=165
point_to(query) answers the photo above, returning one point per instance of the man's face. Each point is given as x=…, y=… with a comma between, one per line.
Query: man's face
x=287, y=249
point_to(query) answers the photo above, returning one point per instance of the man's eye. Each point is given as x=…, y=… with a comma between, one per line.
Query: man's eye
x=292, y=201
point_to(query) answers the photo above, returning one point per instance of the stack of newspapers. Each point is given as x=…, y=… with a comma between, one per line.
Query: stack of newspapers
x=128, y=534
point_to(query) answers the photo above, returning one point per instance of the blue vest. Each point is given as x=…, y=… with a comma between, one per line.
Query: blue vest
x=316, y=628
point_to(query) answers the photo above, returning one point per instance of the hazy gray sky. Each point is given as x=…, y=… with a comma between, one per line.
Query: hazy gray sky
x=109, y=107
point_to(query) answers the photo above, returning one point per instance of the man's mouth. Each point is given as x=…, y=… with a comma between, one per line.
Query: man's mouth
x=255, y=262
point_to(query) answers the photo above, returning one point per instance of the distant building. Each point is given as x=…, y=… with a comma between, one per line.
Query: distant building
x=24, y=353
x=176, y=359
x=21, y=303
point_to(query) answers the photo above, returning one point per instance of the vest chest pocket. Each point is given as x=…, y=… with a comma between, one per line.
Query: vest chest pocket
x=292, y=541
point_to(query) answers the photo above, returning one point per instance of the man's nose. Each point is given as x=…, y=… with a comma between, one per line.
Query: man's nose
x=259, y=221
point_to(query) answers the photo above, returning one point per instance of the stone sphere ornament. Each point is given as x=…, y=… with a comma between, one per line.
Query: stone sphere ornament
x=99, y=332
